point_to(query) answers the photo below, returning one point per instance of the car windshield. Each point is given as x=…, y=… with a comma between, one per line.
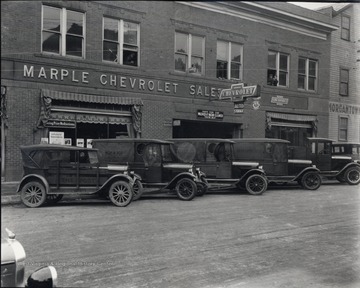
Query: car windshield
x=166, y=153
x=152, y=155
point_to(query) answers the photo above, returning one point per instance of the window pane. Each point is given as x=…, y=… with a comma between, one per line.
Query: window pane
x=302, y=66
x=221, y=69
x=345, y=22
x=235, y=52
x=343, y=89
x=130, y=58
x=272, y=60
x=110, y=51
x=312, y=83
x=111, y=29
x=312, y=68
x=74, y=23
x=180, y=62
x=197, y=46
x=73, y=46
x=222, y=51
x=344, y=75
x=301, y=81
x=282, y=78
x=345, y=34
x=235, y=71
x=343, y=134
x=130, y=33
x=196, y=64
x=271, y=77
x=283, y=62
x=51, y=42
x=51, y=20
x=343, y=123
x=181, y=43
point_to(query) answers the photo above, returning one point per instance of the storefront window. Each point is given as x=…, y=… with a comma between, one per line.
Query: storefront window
x=229, y=58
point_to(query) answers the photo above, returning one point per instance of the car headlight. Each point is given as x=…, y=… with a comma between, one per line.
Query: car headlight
x=45, y=277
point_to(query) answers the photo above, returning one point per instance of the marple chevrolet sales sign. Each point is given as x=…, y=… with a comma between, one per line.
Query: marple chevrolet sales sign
x=239, y=92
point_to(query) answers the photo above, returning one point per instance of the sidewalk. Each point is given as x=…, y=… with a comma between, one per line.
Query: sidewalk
x=8, y=193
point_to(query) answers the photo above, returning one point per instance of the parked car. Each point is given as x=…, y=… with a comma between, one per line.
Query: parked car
x=215, y=158
x=272, y=154
x=50, y=171
x=346, y=149
x=13, y=258
x=153, y=164
x=344, y=169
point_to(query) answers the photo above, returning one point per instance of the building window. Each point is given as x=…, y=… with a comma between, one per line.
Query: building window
x=307, y=74
x=121, y=42
x=63, y=32
x=345, y=27
x=228, y=60
x=189, y=53
x=344, y=82
x=343, y=128
x=278, y=69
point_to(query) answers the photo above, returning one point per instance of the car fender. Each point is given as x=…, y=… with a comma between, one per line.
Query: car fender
x=182, y=175
x=116, y=177
x=352, y=164
x=28, y=178
x=251, y=172
x=307, y=169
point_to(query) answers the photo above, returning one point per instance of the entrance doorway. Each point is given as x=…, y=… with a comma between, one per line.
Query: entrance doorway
x=206, y=129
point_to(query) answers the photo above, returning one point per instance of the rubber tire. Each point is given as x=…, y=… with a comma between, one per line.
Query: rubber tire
x=138, y=189
x=306, y=181
x=201, y=189
x=36, y=187
x=120, y=193
x=350, y=174
x=186, y=189
x=256, y=181
x=53, y=198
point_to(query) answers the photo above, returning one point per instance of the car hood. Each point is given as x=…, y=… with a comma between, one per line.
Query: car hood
x=178, y=165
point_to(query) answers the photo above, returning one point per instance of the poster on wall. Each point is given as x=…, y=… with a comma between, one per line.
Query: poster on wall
x=89, y=143
x=68, y=141
x=44, y=140
x=56, y=137
x=80, y=142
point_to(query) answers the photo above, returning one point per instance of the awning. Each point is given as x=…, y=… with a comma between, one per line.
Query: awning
x=292, y=117
x=293, y=120
x=69, y=96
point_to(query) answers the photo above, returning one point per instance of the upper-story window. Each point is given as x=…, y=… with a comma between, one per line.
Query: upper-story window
x=278, y=69
x=307, y=74
x=345, y=27
x=344, y=82
x=189, y=53
x=343, y=128
x=228, y=60
x=121, y=42
x=63, y=31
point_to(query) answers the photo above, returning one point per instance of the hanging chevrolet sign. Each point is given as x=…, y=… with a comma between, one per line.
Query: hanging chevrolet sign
x=239, y=92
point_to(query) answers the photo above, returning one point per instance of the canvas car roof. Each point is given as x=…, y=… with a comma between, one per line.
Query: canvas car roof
x=138, y=140
x=34, y=147
x=320, y=139
x=274, y=140
x=202, y=139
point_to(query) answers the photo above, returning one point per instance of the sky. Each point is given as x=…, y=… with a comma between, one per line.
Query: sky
x=312, y=5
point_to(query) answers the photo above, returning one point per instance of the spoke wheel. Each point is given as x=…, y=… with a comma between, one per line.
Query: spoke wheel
x=120, y=193
x=352, y=175
x=186, y=189
x=311, y=181
x=33, y=194
x=53, y=198
x=256, y=184
x=138, y=189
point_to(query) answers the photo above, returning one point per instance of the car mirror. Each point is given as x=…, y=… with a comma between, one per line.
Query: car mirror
x=45, y=277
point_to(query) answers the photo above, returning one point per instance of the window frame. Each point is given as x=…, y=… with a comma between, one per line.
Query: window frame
x=344, y=82
x=307, y=74
x=120, y=42
x=189, y=55
x=277, y=68
x=229, y=61
x=63, y=32
x=346, y=129
x=345, y=28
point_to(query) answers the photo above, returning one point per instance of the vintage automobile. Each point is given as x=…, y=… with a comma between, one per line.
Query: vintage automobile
x=153, y=164
x=215, y=158
x=272, y=154
x=50, y=171
x=13, y=258
x=346, y=149
x=344, y=169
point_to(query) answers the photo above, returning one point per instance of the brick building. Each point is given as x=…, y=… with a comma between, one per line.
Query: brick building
x=78, y=70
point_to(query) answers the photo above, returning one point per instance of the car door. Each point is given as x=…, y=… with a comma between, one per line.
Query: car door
x=152, y=162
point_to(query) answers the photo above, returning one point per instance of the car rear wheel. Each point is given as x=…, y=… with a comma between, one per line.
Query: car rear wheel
x=138, y=189
x=311, y=181
x=256, y=184
x=201, y=189
x=33, y=194
x=352, y=175
x=120, y=193
x=53, y=198
x=186, y=189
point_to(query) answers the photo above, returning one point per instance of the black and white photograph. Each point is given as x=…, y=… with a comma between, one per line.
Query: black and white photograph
x=180, y=144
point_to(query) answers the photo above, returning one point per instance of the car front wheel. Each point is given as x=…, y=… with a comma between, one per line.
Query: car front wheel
x=352, y=175
x=33, y=194
x=138, y=189
x=311, y=181
x=256, y=184
x=120, y=193
x=186, y=189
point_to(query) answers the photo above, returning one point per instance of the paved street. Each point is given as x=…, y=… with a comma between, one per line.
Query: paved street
x=284, y=238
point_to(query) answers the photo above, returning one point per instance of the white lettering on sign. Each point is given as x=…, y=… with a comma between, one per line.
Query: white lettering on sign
x=279, y=100
x=239, y=92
